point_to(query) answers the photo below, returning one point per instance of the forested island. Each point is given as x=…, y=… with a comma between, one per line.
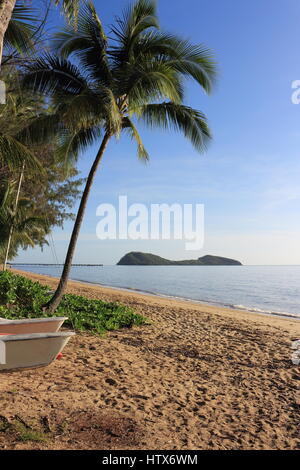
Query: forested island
x=148, y=259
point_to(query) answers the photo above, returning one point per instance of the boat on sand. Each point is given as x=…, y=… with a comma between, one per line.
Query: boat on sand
x=31, y=325
x=31, y=343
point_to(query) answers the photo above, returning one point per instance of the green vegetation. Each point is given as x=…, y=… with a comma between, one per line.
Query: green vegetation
x=23, y=226
x=25, y=150
x=28, y=216
x=27, y=434
x=23, y=431
x=22, y=298
x=16, y=28
x=147, y=259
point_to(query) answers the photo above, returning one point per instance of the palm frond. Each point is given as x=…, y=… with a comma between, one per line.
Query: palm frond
x=21, y=29
x=88, y=43
x=72, y=144
x=149, y=81
x=40, y=130
x=13, y=153
x=18, y=36
x=70, y=9
x=137, y=18
x=194, y=61
x=181, y=118
x=129, y=126
x=53, y=75
x=78, y=101
x=90, y=109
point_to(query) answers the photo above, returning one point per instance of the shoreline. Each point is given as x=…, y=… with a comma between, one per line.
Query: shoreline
x=198, y=377
x=201, y=303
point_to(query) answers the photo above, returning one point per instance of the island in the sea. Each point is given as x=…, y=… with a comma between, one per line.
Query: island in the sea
x=148, y=259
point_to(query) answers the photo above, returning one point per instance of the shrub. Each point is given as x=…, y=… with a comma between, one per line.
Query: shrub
x=22, y=298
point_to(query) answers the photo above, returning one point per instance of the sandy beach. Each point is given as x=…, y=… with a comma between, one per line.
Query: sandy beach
x=197, y=377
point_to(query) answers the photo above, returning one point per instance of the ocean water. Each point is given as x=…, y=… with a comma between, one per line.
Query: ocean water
x=265, y=289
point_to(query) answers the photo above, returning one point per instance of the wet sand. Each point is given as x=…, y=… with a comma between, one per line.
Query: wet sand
x=198, y=377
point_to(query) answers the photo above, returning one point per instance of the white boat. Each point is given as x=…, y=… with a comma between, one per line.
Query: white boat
x=22, y=351
x=31, y=325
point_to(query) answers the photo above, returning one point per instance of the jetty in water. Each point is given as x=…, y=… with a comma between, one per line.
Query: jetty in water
x=51, y=264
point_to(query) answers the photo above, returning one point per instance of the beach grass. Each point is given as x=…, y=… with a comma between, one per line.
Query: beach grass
x=23, y=298
x=24, y=434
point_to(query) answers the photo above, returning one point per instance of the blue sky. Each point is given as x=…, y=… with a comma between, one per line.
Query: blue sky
x=249, y=179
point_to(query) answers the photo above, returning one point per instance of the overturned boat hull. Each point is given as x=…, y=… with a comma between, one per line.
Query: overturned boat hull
x=23, y=351
x=31, y=325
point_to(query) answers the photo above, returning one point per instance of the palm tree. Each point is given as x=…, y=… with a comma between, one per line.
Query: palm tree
x=139, y=75
x=19, y=34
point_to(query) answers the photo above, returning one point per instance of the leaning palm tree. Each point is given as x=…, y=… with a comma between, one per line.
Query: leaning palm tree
x=139, y=76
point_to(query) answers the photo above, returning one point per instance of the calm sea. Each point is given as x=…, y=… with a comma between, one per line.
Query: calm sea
x=266, y=289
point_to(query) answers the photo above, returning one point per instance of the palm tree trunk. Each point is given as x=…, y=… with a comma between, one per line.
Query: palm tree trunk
x=53, y=303
x=6, y=9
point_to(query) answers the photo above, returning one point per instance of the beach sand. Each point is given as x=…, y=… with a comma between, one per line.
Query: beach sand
x=198, y=377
